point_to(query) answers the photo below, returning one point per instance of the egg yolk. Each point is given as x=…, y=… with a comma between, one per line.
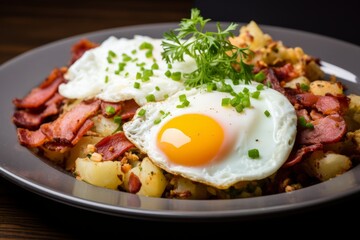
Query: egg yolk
x=191, y=139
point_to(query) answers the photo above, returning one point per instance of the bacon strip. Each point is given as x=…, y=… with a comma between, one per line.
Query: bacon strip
x=83, y=129
x=40, y=95
x=128, y=109
x=297, y=155
x=65, y=128
x=134, y=183
x=80, y=48
x=31, y=138
x=33, y=119
x=112, y=147
x=116, y=106
x=329, y=129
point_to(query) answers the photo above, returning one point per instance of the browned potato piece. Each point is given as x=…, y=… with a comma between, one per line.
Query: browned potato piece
x=321, y=87
x=326, y=165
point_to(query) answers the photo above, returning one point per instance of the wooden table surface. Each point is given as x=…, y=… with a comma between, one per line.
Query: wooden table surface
x=25, y=25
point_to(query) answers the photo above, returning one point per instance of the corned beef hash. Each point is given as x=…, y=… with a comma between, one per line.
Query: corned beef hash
x=193, y=115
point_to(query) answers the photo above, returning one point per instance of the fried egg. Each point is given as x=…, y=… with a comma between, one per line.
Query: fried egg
x=122, y=69
x=208, y=142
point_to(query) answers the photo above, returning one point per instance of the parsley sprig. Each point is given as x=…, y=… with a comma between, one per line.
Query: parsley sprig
x=216, y=58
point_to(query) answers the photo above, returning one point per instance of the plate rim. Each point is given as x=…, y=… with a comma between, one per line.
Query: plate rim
x=75, y=201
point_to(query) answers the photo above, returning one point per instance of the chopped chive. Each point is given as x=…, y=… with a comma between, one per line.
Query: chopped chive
x=162, y=112
x=182, y=97
x=304, y=87
x=176, y=76
x=168, y=73
x=150, y=98
x=259, y=77
x=138, y=75
x=239, y=108
x=157, y=121
x=157, y=88
x=260, y=87
x=146, y=45
x=126, y=58
x=110, y=110
x=254, y=153
x=155, y=66
x=111, y=54
x=235, y=101
x=136, y=85
x=225, y=102
x=245, y=90
x=147, y=73
x=109, y=59
x=245, y=102
x=304, y=123
x=166, y=96
x=267, y=113
x=142, y=64
x=148, y=53
x=169, y=66
x=117, y=119
x=106, y=79
x=184, y=101
x=133, y=51
x=210, y=87
x=255, y=94
x=142, y=112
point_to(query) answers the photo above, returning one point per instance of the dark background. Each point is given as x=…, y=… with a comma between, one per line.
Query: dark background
x=27, y=24
x=337, y=19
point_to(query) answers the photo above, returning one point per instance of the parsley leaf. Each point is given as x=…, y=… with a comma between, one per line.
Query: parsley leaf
x=216, y=58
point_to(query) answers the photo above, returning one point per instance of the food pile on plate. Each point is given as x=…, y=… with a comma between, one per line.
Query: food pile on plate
x=193, y=115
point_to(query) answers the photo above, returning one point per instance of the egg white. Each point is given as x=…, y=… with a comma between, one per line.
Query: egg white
x=273, y=136
x=86, y=77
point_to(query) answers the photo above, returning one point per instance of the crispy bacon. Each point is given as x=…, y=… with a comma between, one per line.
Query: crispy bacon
x=115, y=106
x=65, y=128
x=134, y=183
x=33, y=119
x=31, y=138
x=129, y=108
x=80, y=48
x=286, y=72
x=327, y=104
x=297, y=154
x=113, y=146
x=329, y=129
x=40, y=95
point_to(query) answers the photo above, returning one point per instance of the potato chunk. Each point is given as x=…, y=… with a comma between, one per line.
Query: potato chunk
x=153, y=181
x=106, y=174
x=80, y=150
x=326, y=165
x=321, y=87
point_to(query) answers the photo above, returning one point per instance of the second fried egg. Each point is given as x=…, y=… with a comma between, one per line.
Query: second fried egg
x=208, y=142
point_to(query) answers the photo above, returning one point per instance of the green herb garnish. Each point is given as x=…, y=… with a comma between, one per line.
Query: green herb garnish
x=216, y=58
x=304, y=123
x=254, y=153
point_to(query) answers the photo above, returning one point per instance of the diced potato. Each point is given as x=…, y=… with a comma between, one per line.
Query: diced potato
x=321, y=87
x=252, y=36
x=313, y=71
x=56, y=157
x=326, y=165
x=354, y=108
x=297, y=81
x=104, y=126
x=153, y=181
x=106, y=174
x=183, y=185
x=80, y=150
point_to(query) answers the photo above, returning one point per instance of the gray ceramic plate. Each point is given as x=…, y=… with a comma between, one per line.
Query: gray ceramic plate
x=17, y=164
